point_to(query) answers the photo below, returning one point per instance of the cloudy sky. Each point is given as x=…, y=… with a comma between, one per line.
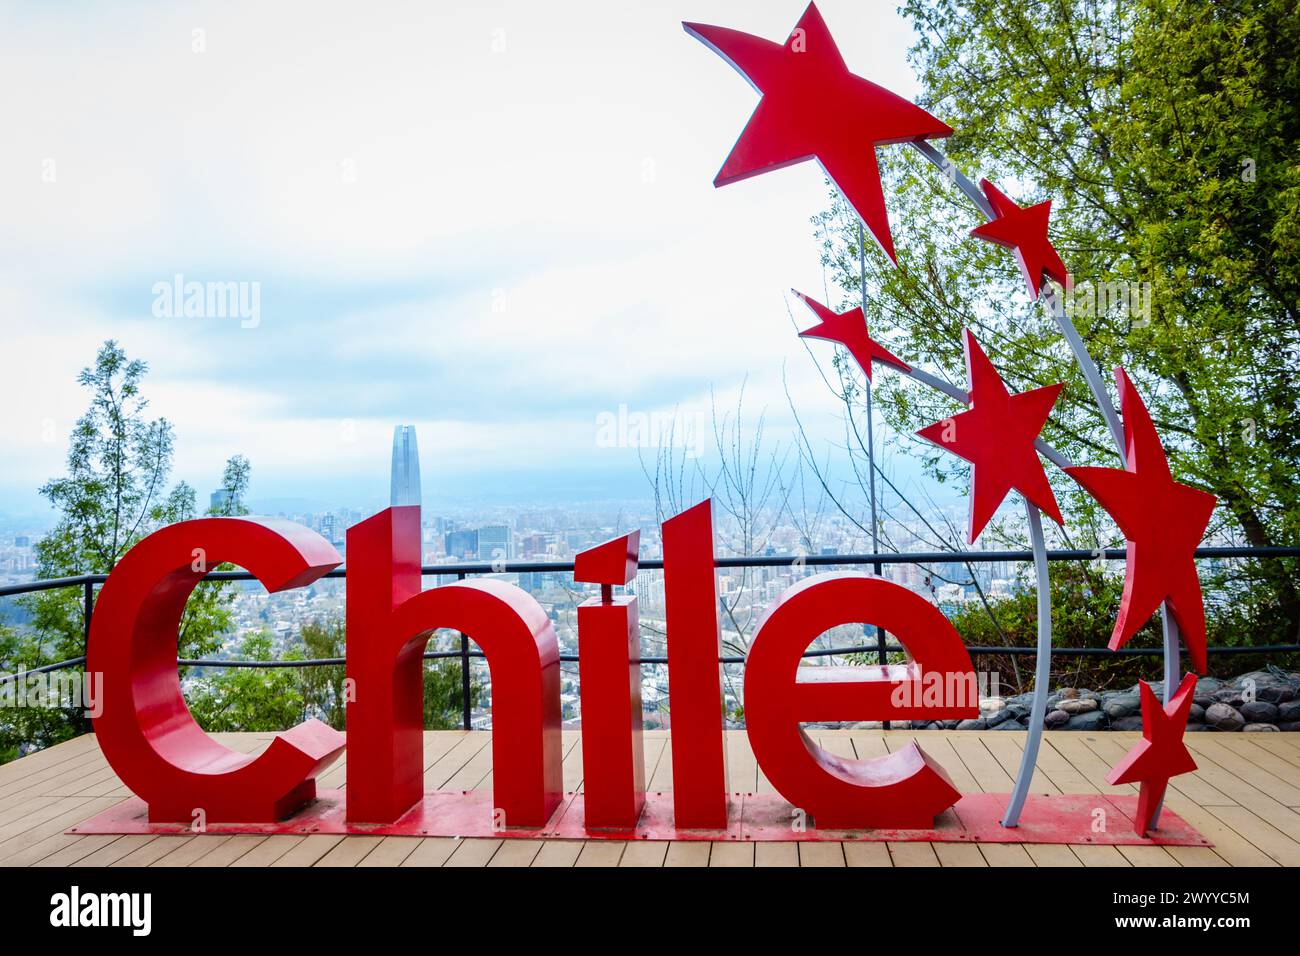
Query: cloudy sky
x=493, y=220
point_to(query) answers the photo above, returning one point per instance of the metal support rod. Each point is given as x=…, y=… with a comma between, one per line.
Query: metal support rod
x=881, y=657
x=1042, y=672
x=465, y=703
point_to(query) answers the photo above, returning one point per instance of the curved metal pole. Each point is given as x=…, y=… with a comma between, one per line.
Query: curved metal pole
x=1042, y=672
x=1092, y=376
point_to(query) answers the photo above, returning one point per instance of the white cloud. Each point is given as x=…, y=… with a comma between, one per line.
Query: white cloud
x=388, y=178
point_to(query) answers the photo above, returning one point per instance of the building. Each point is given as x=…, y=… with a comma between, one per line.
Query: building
x=462, y=544
x=494, y=543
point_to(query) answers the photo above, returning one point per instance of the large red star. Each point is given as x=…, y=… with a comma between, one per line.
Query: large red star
x=850, y=330
x=1160, y=754
x=1024, y=229
x=813, y=107
x=1163, y=522
x=997, y=437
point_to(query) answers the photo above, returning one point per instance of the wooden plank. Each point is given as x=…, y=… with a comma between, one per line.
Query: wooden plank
x=1228, y=843
x=860, y=853
x=687, y=853
x=731, y=854
x=80, y=848
x=431, y=851
x=1202, y=745
x=350, y=851
x=193, y=850
x=1051, y=854
x=230, y=851
x=601, y=853
x=959, y=854
x=644, y=853
x=310, y=850
x=268, y=851
x=776, y=853
x=1266, y=838
x=392, y=851
x=1006, y=854
x=152, y=849
x=1196, y=856
x=1147, y=856
x=813, y=853
x=988, y=773
x=516, y=853
x=1099, y=855
x=560, y=853
x=474, y=853
x=37, y=841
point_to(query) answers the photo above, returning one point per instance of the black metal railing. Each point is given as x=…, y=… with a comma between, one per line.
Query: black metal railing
x=88, y=582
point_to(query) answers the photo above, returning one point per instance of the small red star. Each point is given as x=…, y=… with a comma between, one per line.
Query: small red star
x=850, y=330
x=1163, y=522
x=1160, y=754
x=997, y=437
x=813, y=107
x=1024, y=229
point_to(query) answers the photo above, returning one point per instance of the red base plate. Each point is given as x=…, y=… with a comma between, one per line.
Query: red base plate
x=976, y=818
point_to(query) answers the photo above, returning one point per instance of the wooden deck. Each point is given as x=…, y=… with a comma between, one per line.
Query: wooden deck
x=1245, y=798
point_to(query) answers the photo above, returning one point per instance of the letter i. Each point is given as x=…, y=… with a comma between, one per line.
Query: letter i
x=609, y=677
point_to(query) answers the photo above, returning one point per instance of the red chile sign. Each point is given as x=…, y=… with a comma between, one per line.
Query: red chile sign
x=811, y=107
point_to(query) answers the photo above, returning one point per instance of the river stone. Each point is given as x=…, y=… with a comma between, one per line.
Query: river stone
x=1131, y=722
x=1195, y=728
x=1259, y=728
x=1093, y=720
x=1055, y=718
x=1208, y=686
x=1067, y=693
x=1259, y=712
x=1196, y=714
x=1289, y=712
x=1010, y=725
x=973, y=723
x=1222, y=717
x=1268, y=687
x=998, y=717
x=1292, y=726
x=1077, y=705
x=1122, y=705
x=1230, y=696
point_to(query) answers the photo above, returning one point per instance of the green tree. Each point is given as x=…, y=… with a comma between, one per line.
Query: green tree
x=444, y=693
x=248, y=698
x=115, y=493
x=323, y=688
x=1167, y=137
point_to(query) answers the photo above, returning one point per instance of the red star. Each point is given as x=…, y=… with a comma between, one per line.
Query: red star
x=1163, y=522
x=812, y=106
x=997, y=437
x=850, y=330
x=1024, y=229
x=1160, y=754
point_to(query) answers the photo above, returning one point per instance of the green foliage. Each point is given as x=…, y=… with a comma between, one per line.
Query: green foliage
x=113, y=495
x=323, y=688
x=1167, y=138
x=443, y=694
x=247, y=698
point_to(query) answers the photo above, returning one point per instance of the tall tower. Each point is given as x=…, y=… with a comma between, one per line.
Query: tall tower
x=406, y=467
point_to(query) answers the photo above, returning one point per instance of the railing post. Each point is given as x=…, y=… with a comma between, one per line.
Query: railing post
x=881, y=657
x=88, y=609
x=466, y=708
